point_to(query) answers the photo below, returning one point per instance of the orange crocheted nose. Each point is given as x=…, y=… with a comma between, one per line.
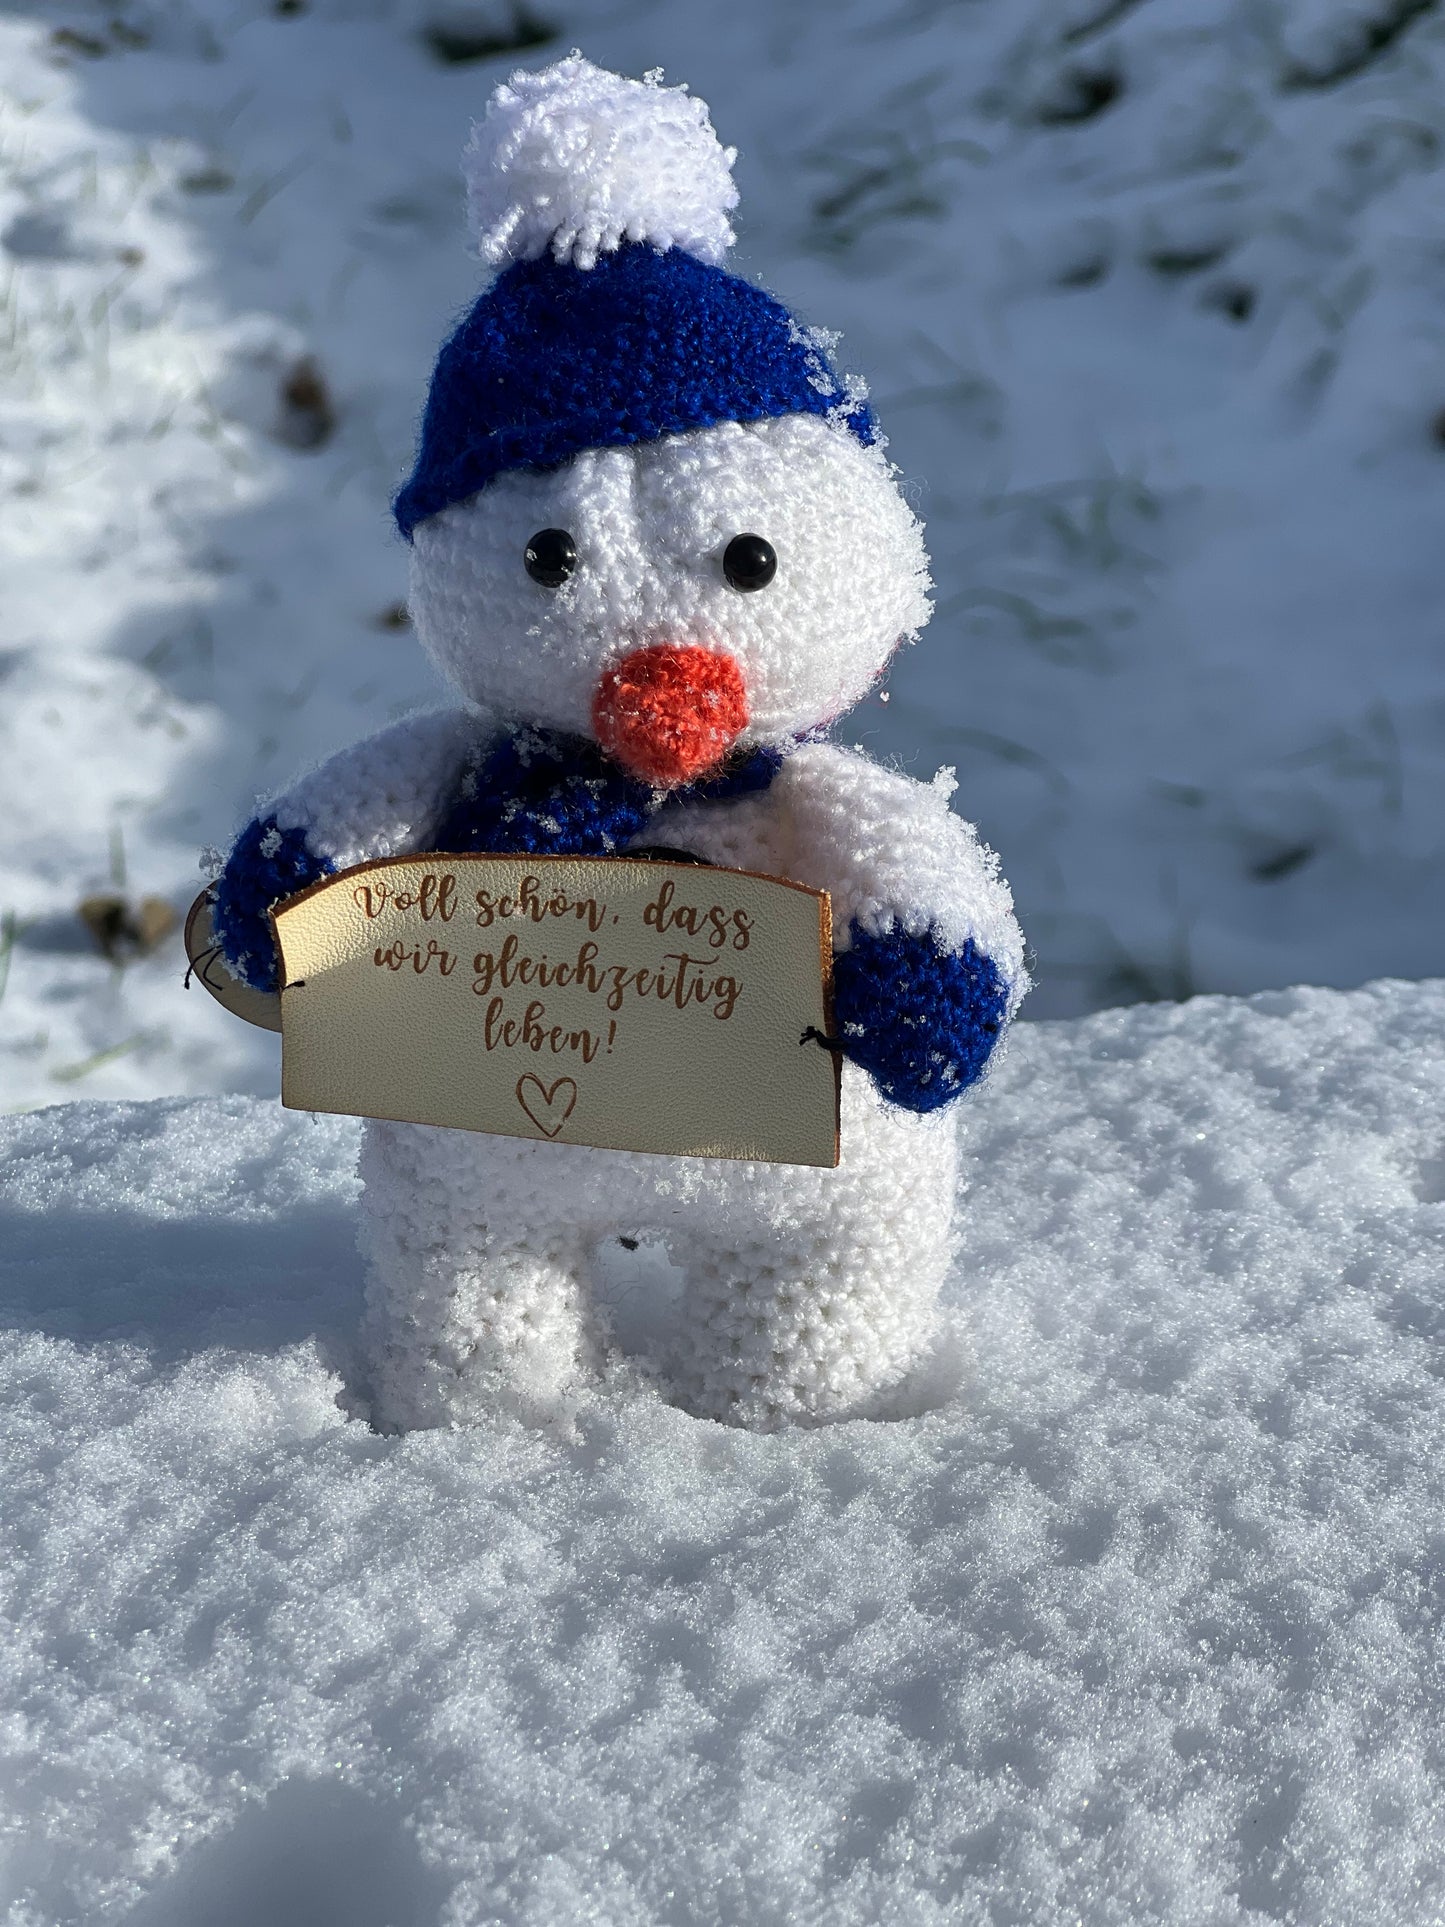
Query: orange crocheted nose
x=669, y=712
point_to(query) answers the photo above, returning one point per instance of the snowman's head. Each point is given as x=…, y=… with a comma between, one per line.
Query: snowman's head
x=645, y=509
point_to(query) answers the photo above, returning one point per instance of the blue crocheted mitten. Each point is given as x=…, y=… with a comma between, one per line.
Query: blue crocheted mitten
x=266, y=865
x=921, y=1020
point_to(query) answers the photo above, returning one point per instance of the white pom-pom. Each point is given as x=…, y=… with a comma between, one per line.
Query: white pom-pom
x=579, y=160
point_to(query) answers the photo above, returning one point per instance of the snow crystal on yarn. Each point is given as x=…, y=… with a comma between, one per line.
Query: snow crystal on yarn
x=578, y=161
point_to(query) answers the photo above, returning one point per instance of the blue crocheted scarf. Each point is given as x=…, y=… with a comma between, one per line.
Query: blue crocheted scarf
x=550, y=794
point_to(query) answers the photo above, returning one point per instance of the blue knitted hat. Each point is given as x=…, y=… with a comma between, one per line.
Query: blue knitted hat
x=603, y=202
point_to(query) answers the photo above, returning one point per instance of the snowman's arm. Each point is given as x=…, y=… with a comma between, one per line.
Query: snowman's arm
x=378, y=798
x=929, y=964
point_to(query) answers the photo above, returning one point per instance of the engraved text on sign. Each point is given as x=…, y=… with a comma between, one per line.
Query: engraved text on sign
x=617, y=1002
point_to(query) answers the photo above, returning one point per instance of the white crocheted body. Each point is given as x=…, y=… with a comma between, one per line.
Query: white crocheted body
x=808, y=1294
x=888, y=850
x=380, y=797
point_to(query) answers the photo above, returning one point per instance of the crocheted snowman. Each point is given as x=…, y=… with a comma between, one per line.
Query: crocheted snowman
x=656, y=550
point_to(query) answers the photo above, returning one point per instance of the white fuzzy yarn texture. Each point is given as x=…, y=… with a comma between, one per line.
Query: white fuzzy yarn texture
x=651, y=525
x=888, y=850
x=380, y=797
x=808, y=1295
x=579, y=160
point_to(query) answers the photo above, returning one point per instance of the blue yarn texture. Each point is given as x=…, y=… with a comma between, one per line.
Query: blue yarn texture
x=552, y=794
x=553, y=359
x=246, y=889
x=920, y=1019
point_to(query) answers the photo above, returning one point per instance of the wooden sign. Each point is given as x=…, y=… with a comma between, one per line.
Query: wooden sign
x=611, y=1001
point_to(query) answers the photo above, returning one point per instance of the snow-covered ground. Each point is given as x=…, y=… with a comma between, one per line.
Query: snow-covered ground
x=1150, y=299
x=1135, y=1619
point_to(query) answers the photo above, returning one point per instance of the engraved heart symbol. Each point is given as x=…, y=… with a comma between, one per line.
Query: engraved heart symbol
x=550, y=1109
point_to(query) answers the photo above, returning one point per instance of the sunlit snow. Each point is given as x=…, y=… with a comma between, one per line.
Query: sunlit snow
x=1135, y=1619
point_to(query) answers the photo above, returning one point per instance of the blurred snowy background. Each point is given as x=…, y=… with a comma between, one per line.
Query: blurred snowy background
x=1151, y=297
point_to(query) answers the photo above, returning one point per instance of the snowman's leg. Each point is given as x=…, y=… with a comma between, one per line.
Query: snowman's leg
x=811, y=1294
x=475, y=1301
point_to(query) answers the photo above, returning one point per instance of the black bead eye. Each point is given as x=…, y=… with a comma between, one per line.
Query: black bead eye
x=551, y=557
x=749, y=562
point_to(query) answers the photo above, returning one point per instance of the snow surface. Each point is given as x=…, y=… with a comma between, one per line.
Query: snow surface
x=1150, y=301
x=1136, y=1619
